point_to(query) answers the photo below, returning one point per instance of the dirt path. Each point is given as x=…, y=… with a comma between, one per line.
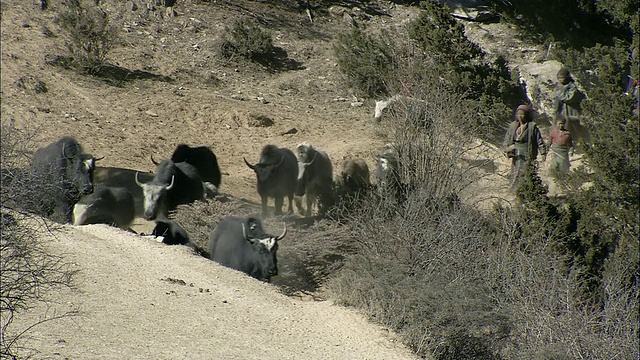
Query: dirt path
x=139, y=299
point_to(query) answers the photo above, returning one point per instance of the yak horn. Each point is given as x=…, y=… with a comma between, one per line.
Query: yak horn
x=138, y=181
x=244, y=232
x=283, y=233
x=281, y=160
x=253, y=167
x=171, y=184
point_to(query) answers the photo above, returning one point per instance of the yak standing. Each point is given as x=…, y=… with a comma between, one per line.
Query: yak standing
x=315, y=176
x=276, y=174
x=354, y=175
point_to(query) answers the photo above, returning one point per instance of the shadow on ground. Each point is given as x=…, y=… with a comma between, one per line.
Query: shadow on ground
x=278, y=61
x=117, y=75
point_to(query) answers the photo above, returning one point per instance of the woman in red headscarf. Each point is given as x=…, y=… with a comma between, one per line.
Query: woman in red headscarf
x=523, y=142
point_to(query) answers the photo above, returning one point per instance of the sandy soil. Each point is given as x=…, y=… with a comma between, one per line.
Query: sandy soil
x=139, y=299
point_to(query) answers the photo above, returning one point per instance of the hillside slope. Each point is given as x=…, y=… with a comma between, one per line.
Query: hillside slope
x=131, y=299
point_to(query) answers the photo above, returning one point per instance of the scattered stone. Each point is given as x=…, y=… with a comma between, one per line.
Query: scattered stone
x=31, y=85
x=290, y=131
x=151, y=113
x=259, y=121
x=175, y=281
x=58, y=60
x=47, y=32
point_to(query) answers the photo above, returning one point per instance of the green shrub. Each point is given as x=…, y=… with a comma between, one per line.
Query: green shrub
x=365, y=60
x=581, y=23
x=246, y=40
x=605, y=192
x=535, y=281
x=466, y=67
x=91, y=34
x=442, y=37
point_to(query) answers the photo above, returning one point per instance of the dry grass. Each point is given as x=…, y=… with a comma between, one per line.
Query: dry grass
x=29, y=271
x=460, y=284
x=312, y=250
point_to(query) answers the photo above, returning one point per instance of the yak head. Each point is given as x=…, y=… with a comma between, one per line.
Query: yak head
x=155, y=197
x=264, y=248
x=306, y=155
x=80, y=168
x=264, y=169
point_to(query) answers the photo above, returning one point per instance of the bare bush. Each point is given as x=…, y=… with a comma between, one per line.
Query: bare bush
x=200, y=218
x=306, y=256
x=541, y=292
x=417, y=269
x=457, y=283
x=91, y=33
x=29, y=271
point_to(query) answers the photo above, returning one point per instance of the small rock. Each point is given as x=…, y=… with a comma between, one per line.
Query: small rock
x=151, y=113
x=259, y=121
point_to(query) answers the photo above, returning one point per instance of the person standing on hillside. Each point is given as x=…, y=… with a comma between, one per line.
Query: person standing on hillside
x=523, y=141
x=566, y=103
x=560, y=144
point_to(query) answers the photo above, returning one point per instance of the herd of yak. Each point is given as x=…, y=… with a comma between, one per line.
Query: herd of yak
x=193, y=174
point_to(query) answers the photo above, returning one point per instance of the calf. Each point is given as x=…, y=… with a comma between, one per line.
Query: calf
x=354, y=175
x=172, y=233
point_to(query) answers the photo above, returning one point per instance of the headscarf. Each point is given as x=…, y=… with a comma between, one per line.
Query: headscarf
x=523, y=107
x=527, y=110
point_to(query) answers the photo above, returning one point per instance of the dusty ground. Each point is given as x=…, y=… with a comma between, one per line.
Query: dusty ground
x=139, y=299
x=130, y=307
